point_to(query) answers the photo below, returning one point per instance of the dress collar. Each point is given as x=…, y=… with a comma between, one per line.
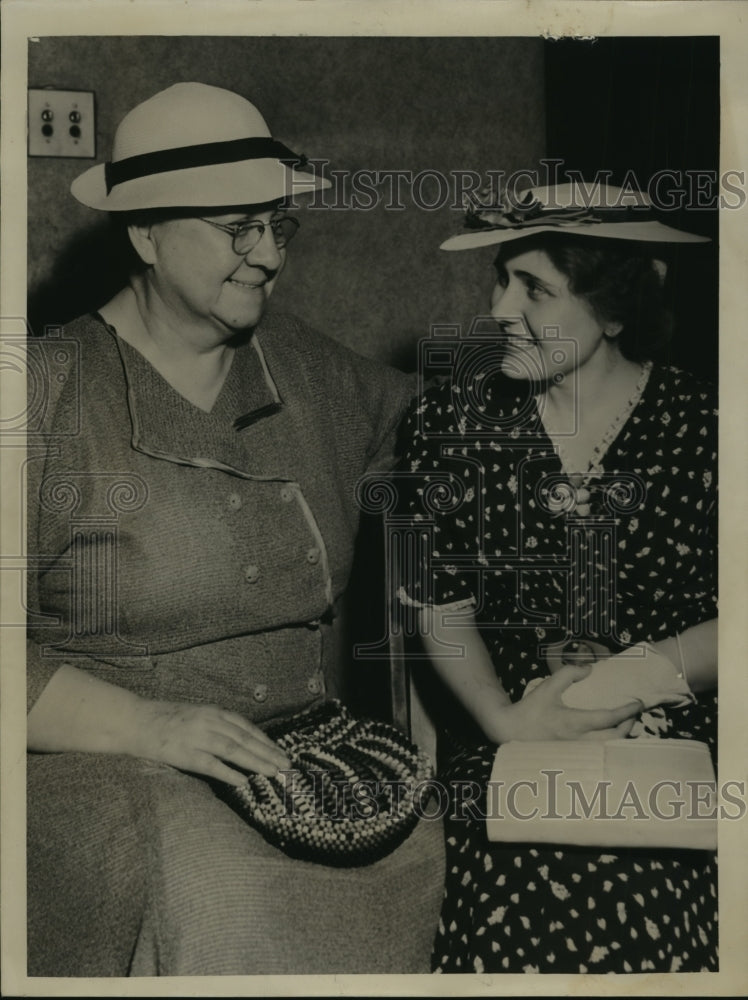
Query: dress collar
x=166, y=425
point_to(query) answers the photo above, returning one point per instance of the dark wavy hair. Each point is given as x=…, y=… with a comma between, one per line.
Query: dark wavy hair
x=619, y=279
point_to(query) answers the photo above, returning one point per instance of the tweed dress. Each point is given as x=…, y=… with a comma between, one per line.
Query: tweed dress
x=636, y=562
x=201, y=557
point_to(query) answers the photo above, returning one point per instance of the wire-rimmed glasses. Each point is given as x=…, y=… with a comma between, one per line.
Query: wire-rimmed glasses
x=246, y=235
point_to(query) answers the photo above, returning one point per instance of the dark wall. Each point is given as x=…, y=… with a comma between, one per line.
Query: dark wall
x=374, y=279
x=639, y=106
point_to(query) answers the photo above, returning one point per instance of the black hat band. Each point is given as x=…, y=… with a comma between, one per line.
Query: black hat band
x=201, y=155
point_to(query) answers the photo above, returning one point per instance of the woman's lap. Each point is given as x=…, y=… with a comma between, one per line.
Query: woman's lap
x=86, y=849
x=153, y=875
x=548, y=908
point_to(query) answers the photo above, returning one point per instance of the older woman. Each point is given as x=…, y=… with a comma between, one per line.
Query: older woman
x=582, y=523
x=193, y=519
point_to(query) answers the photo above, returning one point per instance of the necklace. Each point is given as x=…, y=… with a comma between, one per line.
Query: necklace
x=578, y=499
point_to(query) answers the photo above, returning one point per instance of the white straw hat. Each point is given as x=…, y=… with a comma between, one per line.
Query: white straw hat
x=603, y=211
x=193, y=145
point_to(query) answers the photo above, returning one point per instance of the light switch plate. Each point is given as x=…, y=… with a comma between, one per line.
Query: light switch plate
x=62, y=123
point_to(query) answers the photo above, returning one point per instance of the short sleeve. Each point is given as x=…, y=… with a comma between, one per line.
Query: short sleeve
x=434, y=504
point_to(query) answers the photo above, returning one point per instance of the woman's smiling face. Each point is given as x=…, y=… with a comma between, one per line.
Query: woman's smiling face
x=549, y=330
x=198, y=276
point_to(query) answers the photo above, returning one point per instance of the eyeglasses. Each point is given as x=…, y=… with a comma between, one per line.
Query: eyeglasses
x=246, y=235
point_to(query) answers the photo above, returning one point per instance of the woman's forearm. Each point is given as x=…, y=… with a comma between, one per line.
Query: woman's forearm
x=694, y=653
x=78, y=712
x=466, y=670
x=469, y=673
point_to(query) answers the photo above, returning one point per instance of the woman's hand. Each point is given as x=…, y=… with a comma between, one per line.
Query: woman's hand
x=206, y=740
x=542, y=715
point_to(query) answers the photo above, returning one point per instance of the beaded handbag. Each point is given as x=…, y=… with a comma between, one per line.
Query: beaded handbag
x=354, y=793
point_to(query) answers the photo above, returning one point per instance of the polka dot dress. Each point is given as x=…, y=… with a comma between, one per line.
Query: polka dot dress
x=620, y=553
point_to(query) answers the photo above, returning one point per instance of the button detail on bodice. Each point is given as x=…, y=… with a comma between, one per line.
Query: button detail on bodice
x=315, y=684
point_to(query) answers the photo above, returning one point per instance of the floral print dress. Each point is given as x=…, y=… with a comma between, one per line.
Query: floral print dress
x=622, y=553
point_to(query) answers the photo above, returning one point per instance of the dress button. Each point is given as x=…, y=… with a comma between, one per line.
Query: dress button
x=234, y=501
x=312, y=556
x=260, y=693
x=314, y=685
x=252, y=574
x=286, y=494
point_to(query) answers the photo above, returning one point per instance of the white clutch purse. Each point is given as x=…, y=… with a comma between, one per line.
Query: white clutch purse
x=643, y=792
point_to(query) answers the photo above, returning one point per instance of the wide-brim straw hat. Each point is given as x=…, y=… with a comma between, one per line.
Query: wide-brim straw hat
x=599, y=211
x=194, y=145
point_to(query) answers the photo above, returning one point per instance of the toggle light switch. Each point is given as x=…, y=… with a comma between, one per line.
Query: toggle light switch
x=62, y=123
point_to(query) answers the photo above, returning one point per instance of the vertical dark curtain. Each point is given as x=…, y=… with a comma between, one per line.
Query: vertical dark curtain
x=638, y=107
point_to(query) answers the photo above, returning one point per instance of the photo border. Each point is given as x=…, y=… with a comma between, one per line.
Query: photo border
x=590, y=18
